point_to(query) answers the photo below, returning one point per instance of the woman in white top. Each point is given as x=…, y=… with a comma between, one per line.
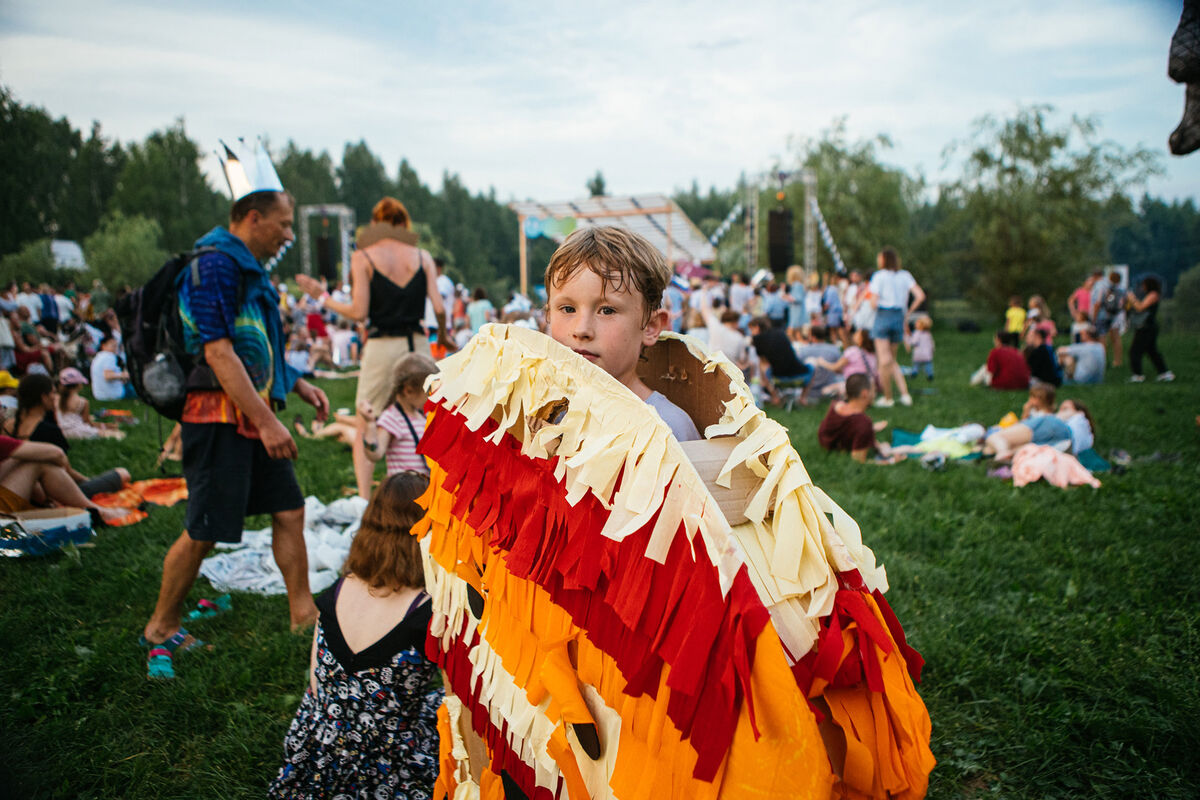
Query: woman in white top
x=891, y=287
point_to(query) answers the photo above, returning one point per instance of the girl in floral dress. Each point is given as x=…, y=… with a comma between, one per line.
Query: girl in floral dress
x=367, y=726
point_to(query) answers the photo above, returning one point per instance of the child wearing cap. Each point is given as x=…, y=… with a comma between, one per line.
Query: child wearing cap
x=8, y=390
x=74, y=415
x=8, y=394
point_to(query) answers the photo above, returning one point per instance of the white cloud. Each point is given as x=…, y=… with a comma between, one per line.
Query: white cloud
x=532, y=100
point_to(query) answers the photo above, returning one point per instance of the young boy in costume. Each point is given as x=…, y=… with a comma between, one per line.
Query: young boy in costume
x=605, y=287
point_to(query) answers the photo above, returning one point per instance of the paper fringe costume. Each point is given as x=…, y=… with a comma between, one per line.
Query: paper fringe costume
x=606, y=633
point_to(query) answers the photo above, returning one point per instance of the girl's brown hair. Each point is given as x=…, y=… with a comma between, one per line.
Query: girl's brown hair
x=1044, y=393
x=384, y=555
x=410, y=371
x=391, y=210
x=891, y=259
x=1087, y=414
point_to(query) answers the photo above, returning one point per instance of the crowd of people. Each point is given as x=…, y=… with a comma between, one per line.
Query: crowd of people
x=799, y=340
x=1029, y=347
x=50, y=339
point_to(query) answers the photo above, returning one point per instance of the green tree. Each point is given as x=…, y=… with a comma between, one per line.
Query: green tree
x=1183, y=310
x=939, y=247
x=707, y=211
x=124, y=251
x=91, y=180
x=162, y=181
x=362, y=180
x=595, y=185
x=37, y=152
x=33, y=263
x=866, y=204
x=421, y=203
x=1034, y=196
x=1158, y=237
x=310, y=179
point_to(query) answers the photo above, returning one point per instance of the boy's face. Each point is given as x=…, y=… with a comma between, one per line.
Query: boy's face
x=603, y=325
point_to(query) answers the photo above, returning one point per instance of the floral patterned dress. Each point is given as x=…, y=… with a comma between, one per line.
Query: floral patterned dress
x=370, y=728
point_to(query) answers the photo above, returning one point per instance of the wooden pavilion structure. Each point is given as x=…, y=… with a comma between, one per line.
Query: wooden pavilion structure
x=655, y=216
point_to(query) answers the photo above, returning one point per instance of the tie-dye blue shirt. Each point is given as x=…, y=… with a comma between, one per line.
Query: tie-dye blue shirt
x=210, y=312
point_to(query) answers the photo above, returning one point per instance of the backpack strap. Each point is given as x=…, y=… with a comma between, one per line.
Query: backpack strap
x=194, y=264
x=202, y=376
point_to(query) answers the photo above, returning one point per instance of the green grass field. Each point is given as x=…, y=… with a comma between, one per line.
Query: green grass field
x=1061, y=629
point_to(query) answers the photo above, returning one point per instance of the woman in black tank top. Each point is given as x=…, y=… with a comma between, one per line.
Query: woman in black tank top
x=394, y=311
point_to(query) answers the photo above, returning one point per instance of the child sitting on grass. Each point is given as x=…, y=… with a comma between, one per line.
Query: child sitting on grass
x=847, y=428
x=605, y=287
x=74, y=414
x=367, y=725
x=394, y=435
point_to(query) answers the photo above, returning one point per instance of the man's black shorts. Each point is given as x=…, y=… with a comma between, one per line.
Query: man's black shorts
x=230, y=477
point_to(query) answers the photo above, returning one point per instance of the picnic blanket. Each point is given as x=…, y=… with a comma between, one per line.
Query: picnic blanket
x=156, y=491
x=954, y=443
x=249, y=566
x=1033, y=462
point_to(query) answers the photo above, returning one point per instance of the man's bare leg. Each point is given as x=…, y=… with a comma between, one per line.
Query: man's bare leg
x=287, y=544
x=180, y=568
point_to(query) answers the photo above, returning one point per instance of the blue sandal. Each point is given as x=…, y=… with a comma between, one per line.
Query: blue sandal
x=207, y=609
x=160, y=661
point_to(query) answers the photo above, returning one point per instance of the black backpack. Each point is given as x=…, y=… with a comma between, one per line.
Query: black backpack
x=1113, y=300
x=160, y=369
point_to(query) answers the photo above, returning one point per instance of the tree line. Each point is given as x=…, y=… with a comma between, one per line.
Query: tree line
x=1039, y=204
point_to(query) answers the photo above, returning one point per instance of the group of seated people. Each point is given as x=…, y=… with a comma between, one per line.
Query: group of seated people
x=1068, y=426
x=35, y=469
x=1010, y=368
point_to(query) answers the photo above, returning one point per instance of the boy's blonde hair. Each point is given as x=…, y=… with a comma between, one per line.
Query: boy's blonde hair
x=924, y=324
x=621, y=258
x=411, y=370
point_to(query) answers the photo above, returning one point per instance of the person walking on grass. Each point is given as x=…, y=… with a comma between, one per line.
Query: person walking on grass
x=1143, y=318
x=237, y=455
x=892, y=288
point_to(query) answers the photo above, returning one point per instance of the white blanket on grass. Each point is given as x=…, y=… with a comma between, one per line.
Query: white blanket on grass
x=249, y=565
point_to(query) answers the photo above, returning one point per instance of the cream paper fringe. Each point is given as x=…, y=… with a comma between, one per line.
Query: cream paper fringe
x=796, y=537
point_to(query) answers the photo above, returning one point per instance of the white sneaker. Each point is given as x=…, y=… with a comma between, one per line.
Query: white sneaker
x=1137, y=378
x=906, y=399
x=1166, y=377
x=884, y=402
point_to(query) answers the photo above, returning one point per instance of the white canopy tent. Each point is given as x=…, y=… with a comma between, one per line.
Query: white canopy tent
x=654, y=216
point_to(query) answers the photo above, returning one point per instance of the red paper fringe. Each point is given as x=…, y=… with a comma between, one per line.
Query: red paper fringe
x=643, y=614
x=861, y=664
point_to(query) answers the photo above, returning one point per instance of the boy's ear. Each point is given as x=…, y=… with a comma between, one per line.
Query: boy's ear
x=656, y=325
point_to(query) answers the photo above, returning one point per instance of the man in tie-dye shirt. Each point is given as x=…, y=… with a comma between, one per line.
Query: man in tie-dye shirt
x=237, y=455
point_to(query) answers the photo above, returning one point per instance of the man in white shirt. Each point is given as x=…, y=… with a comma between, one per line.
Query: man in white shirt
x=109, y=381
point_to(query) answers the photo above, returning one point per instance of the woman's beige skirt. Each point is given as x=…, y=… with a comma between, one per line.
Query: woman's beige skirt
x=375, y=381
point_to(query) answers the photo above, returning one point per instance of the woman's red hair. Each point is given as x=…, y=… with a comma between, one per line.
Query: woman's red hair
x=391, y=210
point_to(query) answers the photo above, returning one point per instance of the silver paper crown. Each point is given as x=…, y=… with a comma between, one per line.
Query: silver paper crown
x=248, y=169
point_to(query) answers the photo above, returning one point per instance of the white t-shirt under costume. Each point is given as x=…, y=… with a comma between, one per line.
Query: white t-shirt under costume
x=677, y=420
x=892, y=288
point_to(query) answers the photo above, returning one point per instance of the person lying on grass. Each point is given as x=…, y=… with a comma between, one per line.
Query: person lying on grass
x=847, y=428
x=1072, y=423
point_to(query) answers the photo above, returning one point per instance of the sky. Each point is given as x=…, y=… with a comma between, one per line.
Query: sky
x=532, y=98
